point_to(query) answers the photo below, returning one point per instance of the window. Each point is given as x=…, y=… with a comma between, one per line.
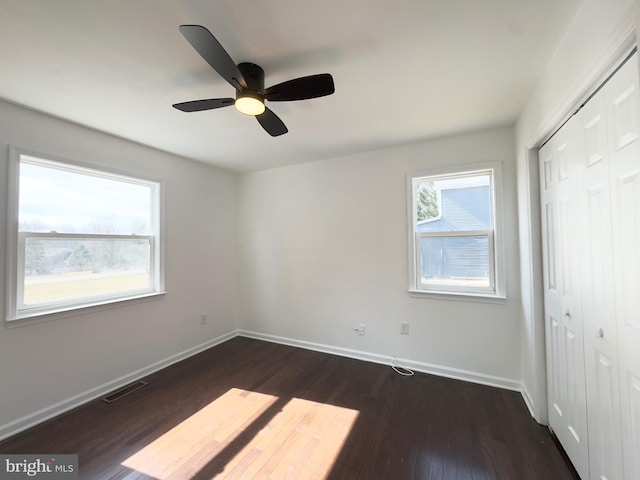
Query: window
x=453, y=233
x=81, y=237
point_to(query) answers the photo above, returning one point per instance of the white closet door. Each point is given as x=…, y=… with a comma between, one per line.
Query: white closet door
x=598, y=293
x=563, y=309
x=590, y=192
x=623, y=110
x=555, y=368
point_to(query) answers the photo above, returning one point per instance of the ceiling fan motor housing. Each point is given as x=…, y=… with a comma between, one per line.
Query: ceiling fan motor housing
x=254, y=77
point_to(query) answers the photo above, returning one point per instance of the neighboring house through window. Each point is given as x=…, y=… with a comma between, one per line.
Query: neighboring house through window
x=454, y=232
x=81, y=237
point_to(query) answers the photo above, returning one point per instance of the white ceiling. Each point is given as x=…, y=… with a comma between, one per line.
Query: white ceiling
x=404, y=70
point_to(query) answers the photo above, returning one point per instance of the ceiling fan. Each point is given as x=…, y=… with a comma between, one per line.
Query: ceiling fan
x=248, y=80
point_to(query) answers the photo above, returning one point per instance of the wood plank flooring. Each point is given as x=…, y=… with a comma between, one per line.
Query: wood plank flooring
x=250, y=409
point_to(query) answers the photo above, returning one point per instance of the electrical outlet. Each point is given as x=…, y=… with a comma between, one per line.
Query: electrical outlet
x=203, y=319
x=404, y=328
x=360, y=329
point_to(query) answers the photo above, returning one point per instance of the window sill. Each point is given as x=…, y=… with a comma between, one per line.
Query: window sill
x=74, y=311
x=459, y=296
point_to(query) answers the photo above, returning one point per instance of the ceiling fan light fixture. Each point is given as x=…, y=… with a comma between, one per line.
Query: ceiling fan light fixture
x=248, y=80
x=250, y=104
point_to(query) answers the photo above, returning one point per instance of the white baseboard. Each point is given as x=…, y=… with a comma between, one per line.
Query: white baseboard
x=51, y=411
x=442, y=371
x=528, y=399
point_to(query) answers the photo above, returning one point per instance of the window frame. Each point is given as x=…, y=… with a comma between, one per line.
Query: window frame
x=17, y=314
x=496, y=289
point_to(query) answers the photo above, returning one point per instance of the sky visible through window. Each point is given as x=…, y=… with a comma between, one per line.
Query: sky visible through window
x=54, y=199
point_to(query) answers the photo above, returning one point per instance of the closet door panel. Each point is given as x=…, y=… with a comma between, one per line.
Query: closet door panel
x=631, y=402
x=623, y=107
x=556, y=378
x=575, y=436
x=598, y=294
x=590, y=193
x=563, y=310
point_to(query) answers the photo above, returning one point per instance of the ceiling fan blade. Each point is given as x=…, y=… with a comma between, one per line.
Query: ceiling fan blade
x=215, y=55
x=272, y=123
x=199, y=105
x=301, y=88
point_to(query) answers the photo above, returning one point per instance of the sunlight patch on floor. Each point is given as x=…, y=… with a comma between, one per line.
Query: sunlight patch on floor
x=301, y=440
x=190, y=445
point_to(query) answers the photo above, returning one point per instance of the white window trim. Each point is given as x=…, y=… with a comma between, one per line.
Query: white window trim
x=14, y=316
x=497, y=293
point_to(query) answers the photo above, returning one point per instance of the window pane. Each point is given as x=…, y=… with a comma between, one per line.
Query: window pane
x=58, y=269
x=460, y=261
x=454, y=204
x=55, y=199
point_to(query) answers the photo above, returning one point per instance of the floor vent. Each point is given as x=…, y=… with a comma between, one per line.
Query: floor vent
x=121, y=392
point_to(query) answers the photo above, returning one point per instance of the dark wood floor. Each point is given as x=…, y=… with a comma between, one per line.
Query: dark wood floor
x=252, y=409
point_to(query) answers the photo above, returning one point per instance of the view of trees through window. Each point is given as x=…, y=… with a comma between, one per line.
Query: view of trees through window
x=427, y=207
x=58, y=269
x=45, y=255
x=83, y=234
